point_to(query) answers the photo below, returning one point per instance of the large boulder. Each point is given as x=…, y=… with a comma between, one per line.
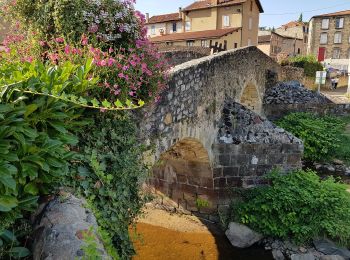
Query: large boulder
x=328, y=247
x=242, y=236
x=62, y=228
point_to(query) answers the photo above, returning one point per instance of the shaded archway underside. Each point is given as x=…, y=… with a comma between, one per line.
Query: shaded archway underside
x=250, y=98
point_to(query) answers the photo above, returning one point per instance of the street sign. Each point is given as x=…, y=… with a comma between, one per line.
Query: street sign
x=321, y=77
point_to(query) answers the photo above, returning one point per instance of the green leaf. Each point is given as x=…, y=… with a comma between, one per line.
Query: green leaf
x=30, y=109
x=7, y=203
x=106, y=104
x=19, y=252
x=118, y=104
x=95, y=102
x=59, y=127
x=30, y=170
x=141, y=103
x=8, y=236
x=28, y=203
x=8, y=181
x=128, y=103
x=31, y=188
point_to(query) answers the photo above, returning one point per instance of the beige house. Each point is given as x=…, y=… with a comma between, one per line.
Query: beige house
x=164, y=24
x=278, y=46
x=231, y=23
x=296, y=29
x=329, y=36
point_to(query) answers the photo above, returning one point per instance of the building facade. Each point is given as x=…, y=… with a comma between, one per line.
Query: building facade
x=278, y=46
x=296, y=29
x=164, y=24
x=230, y=23
x=329, y=36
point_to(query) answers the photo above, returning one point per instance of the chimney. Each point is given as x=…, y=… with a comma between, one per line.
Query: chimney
x=180, y=12
x=147, y=17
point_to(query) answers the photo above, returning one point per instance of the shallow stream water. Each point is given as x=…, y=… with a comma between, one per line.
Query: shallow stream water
x=159, y=243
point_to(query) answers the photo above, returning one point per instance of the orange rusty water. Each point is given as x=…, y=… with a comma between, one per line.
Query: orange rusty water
x=160, y=243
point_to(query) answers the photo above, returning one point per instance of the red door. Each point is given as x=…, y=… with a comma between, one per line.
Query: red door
x=321, y=54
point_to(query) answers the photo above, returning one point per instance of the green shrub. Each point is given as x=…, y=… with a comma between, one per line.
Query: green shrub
x=321, y=135
x=109, y=174
x=308, y=63
x=298, y=206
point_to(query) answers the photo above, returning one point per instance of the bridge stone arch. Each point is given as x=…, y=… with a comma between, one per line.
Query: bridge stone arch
x=251, y=98
x=200, y=103
x=184, y=174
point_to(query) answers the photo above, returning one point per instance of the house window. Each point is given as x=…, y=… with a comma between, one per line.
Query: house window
x=189, y=43
x=250, y=25
x=251, y=6
x=236, y=45
x=339, y=23
x=249, y=42
x=174, y=27
x=336, y=53
x=337, y=37
x=324, y=38
x=170, y=43
x=305, y=39
x=204, y=43
x=226, y=20
x=299, y=51
x=325, y=23
x=188, y=26
x=153, y=30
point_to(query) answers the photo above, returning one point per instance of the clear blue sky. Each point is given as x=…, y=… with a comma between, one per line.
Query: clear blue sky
x=277, y=12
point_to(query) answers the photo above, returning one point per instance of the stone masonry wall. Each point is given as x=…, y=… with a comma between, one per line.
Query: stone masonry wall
x=180, y=54
x=191, y=105
x=247, y=147
x=289, y=73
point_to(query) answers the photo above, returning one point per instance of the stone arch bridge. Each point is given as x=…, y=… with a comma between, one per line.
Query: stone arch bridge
x=209, y=132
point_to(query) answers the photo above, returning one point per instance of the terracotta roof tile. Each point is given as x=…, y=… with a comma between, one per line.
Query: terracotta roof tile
x=293, y=24
x=345, y=12
x=164, y=18
x=209, y=34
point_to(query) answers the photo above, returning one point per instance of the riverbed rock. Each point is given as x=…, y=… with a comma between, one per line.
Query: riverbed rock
x=303, y=257
x=332, y=257
x=328, y=247
x=278, y=255
x=61, y=229
x=242, y=236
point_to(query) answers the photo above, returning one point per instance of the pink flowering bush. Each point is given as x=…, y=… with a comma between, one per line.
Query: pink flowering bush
x=128, y=68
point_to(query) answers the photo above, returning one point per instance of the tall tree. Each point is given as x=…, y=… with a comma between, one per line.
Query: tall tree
x=300, y=18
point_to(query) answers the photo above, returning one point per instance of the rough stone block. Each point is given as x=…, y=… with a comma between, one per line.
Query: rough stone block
x=230, y=171
x=217, y=172
x=220, y=183
x=234, y=181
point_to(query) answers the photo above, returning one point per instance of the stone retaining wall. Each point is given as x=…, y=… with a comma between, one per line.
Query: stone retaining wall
x=292, y=73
